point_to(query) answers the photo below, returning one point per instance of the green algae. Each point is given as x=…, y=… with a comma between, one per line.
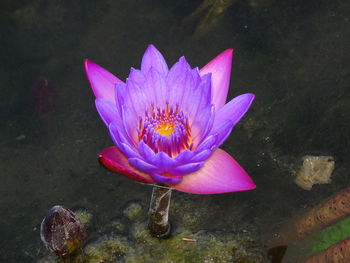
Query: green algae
x=107, y=249
x=118, y=226
x=184, y=246
x=128, y=240
x=187, y=246
x=133, y=211
x=84, y=216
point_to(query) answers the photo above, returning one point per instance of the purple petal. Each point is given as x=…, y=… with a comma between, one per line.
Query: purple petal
x=186, y=168
x=172, y=179
x=136, y=76
x=155, y=87
x=113, y=160
x=209, y=124
x=179, y=81
x=222, y=131
x=153, y=59
x=177, y=70
x=196, y=76
x=202, y=124
x=220, y=67
x=201, y=97
x=129, y=151
x=208, y=143
x=107, y=110
x=118, y=134
x=146, y=152
x=119, y=91
x=137, y=94
x=183, y=87
x=183, y=157
x=102, y=81
x=220, y=174
x=143, y=166
x=130, y=123
x=163, y=162
x=202, y=156
x=235, y=109
x=126, y=98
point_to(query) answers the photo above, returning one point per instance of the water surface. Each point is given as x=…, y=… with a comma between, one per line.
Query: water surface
x=292, y=54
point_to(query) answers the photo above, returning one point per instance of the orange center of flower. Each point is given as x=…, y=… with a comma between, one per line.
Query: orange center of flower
x=165, y=130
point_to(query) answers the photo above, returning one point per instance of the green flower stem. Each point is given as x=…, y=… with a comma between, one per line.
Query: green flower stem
x=158, y=213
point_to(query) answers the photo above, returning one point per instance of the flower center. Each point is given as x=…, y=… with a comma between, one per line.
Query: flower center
x=165, y=130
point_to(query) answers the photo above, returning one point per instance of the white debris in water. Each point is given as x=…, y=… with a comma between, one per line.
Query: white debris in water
x=315, y=170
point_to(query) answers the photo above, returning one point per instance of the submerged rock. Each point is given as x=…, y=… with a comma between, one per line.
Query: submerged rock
x=62, y=232
x=315, y=170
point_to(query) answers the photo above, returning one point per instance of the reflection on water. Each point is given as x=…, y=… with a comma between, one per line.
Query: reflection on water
x=292, y=54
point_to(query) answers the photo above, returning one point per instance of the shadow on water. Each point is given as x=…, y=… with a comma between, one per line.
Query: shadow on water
x=292, y=54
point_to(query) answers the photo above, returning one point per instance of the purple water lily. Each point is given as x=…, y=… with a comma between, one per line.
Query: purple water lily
x=167, y=124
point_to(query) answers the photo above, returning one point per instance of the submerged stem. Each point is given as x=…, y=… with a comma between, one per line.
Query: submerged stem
x=158, y=213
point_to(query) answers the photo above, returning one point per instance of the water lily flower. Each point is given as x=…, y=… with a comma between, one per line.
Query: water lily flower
x=167, y=124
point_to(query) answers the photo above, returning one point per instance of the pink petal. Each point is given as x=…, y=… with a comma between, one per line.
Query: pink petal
x=112, y=159
x=102, y=81
x=220, y=174
x=220, y=67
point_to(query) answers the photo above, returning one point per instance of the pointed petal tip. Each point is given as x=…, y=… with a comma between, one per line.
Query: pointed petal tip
x=87, y=64
x=86, y=61
x=228, y=53
x=231, y=178
x=233, y=110
x=251, y=95
x=224, y=57
x=220, y=67
x=91, y=66
x=151, y=47
x=245, y=101
x=113, y=160
x=101, y=80
x=252, y=98
x=153, y=58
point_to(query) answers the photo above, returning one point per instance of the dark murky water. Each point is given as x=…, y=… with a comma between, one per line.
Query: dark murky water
x=292, y=54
